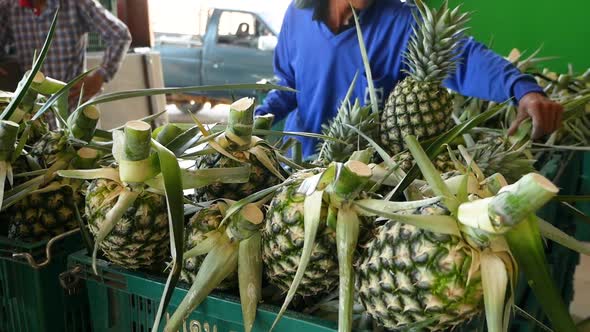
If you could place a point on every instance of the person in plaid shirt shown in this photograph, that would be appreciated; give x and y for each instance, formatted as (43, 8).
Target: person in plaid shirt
(25, 23)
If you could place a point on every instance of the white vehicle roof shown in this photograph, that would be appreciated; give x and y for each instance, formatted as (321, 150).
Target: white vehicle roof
(271, 11)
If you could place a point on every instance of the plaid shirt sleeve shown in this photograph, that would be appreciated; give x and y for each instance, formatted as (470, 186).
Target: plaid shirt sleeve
(5, 38)
(113, 32)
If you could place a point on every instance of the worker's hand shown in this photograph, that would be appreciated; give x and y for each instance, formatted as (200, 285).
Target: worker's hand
(92, 85)
(545, 113)
(3, 72)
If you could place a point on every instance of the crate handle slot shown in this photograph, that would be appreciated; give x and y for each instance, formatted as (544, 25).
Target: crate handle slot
(70, 279)
(29, 258)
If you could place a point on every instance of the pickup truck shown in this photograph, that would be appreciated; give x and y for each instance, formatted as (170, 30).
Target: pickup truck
(237, 46)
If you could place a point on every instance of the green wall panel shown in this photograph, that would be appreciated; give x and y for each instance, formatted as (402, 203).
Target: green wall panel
(561, 27)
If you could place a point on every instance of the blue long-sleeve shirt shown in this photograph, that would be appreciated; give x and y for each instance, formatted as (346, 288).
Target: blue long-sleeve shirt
(320, 65)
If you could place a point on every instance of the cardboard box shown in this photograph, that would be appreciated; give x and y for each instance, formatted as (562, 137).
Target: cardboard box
(141, 69)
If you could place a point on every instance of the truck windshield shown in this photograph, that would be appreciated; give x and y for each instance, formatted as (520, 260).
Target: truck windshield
(270, 11)
(165, 17)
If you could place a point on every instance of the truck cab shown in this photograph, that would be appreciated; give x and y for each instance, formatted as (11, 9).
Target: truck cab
(236, 47)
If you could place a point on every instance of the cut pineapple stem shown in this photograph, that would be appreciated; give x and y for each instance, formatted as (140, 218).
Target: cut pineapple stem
(240, 122)
(516, 202)
(84, 123)
(26, 106)
(512, 205)
(252, 214)
(264, 122)
(137, 141)
(495, 182)
(8, 137)
(46, 85)
(347, 233)
(87, 153)
(352, 177)
(245, 223)
(86, 158)
(168, 133)
(136, 164)
(363, 156)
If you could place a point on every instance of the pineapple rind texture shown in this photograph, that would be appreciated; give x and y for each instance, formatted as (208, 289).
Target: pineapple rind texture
(41, 216)
(204, 221)
(46, 149)
(260, 177)
(408, 276)
(282, 243)
(421, 109)
(141, 238)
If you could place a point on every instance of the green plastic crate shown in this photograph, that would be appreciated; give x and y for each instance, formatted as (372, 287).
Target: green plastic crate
(127, 301)
(33, 299)
(583, 231)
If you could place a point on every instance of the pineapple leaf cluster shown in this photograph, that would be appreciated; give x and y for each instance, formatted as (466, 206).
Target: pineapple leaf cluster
(355, 115)
(435, 41)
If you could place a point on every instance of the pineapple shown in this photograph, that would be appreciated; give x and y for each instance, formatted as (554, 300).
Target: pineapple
(245, 150)
(46, 213)
(419, 105)
(435, 266)
(46, 150)
(201, 223)
(51, 209)
(283, 237)
(282, 243)
(54, 145)
(260, 177)
(140, 239)
(283, 233)
(230, 248)
(129, 222)
(407, 276)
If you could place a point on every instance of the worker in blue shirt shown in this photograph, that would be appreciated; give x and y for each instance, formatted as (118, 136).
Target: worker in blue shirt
(318, 55)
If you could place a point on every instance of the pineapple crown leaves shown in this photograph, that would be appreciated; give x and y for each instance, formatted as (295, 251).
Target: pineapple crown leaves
(358, 116)
(502, 155)
(523, 240)
(238, 241)
(433, 48)
(342, 183)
